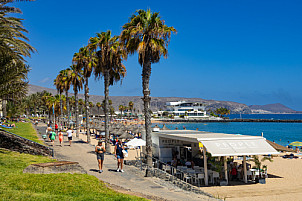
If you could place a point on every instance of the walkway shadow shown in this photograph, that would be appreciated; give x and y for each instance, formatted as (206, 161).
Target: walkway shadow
(112, 170)
(273, 176)
(79, 142)
(91, 152)
(94, 170)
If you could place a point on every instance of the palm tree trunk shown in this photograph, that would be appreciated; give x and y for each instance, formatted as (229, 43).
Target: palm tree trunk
(76, 111)
(67, 105)
(146, 77)
(61, 110)
(49, 116)
(4, 108)
(106, 93)
(87, 108)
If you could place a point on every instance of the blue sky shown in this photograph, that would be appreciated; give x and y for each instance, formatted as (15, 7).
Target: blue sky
(243, 51)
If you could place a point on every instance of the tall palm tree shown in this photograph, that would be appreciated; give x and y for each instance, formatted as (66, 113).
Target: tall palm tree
(66, 79)
(109, 65)
(59, 83)
(77, 82)
(147, 34)
(85, 60)
(13, 48)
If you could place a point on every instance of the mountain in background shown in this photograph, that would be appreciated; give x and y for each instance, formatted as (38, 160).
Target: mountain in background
(159, 103)
(271, 108)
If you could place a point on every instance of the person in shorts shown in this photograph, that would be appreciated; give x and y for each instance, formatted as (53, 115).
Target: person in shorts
(69, 135)
(119, 155)
(49, 132)
(56, 128)
(53, 137)
(60, 137)
(100, 150)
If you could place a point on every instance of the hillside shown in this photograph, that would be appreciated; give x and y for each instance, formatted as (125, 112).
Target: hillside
(271, 108)
(158, 103)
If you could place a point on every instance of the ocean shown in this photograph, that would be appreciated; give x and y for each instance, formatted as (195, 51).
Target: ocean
(281, 133)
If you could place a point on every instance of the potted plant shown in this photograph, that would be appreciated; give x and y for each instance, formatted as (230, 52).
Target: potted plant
(262, 170)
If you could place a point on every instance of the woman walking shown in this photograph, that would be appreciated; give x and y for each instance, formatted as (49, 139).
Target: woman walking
(119, 155)
(53, 137)
(100, 149)
(61, 137)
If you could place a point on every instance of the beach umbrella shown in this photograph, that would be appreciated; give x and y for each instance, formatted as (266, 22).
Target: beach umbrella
(125, 135)
(296, 144)
(136, 143)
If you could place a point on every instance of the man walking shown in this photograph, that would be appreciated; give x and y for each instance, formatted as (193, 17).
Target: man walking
(69, 135)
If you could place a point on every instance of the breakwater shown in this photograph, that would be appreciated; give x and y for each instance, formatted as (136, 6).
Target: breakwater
(229, 120)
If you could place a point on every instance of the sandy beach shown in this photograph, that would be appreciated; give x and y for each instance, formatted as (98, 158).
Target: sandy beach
(284, 183)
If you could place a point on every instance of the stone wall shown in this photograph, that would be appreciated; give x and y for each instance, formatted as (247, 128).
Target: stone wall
(55, 167)
(17, 143)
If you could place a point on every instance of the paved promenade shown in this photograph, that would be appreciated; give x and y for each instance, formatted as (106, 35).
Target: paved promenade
(132, 181)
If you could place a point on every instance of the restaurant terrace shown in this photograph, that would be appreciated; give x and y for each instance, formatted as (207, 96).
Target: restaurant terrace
(189, 144)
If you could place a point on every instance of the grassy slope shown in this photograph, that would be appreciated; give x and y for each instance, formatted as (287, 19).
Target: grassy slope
(15, 185)
(25, 130)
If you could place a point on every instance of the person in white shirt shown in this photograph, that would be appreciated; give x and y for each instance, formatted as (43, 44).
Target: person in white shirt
(69, 135)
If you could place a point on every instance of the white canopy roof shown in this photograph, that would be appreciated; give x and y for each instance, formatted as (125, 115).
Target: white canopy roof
(220, 144)
(235, 147)
(136, 142)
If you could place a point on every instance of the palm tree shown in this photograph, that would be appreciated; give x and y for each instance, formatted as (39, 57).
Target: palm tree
(46, 99)
(77, 82)
(121, 108)
(111, 111)
(222, 111)
(81, 105)
(50, 103)
(85, 60)
(59, 83)
(130, 106)
(66, 79)
(98, 105)
(13, 48)
(109, 65)
(12, 38)
(13, 79)
(72, 105)
(147, 34)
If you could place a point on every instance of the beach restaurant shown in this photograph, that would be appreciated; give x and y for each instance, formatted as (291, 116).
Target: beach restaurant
(188, 144)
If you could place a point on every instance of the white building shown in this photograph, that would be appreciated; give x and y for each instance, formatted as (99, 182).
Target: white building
(187, 110)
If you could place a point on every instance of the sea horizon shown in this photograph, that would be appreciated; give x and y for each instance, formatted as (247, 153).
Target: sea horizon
(281, 133)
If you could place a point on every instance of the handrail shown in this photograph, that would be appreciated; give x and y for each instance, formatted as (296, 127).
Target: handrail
(52, 151)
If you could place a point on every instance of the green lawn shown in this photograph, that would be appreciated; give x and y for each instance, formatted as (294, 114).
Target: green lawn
(25, 130)
(15, 185)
